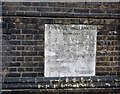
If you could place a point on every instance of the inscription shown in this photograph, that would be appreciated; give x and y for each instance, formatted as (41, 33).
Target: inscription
(70, 50)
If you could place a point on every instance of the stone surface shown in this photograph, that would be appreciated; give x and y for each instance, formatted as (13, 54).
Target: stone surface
(70, 50)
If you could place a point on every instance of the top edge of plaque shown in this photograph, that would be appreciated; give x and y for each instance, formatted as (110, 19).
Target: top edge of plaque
(76, 26)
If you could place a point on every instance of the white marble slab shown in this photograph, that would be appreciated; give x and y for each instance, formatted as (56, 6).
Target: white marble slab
(70, 50)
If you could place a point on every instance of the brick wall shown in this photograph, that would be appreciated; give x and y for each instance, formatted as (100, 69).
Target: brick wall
(23, 46)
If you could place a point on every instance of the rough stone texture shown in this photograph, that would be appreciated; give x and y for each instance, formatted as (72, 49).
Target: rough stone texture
(23, 46)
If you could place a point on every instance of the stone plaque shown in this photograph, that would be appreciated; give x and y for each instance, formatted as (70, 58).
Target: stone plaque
(70, 50)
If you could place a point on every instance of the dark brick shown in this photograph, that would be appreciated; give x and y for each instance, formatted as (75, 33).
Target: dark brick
(43, 4)
(112, 73)
(30, 48)
(118, 73)
(10, 13)
(118, 27)
(59, 14)
(35, 4)
(20, 13)
(110, 5)
(60, 4)
(9, 8)
(13, 48)
(26, 8)
(114, 63)
(38, 48)
(57, 9)
(26, 20)
(29, 31)
(6, 19)
(20, 47)
(34, 20)
(74, 4)
(6, 53)
(21, 69)
(15, 42)
(109, 69)
(113, 11)
(29, 64)
(13, 37)
(6, 37)
(100, 68)
(102, 63)
(5, 59)
(28, 42)
(19, 25)
(6, 32)
(12, 79)
(44, 9)
(27, 3)
(28, 58)
(30, 26)
(102, 73)
(28, 37)
(29, 53)
(32, 14)
(40, 29)
(41, 53)
(29, 75)
(21, 37)
(13, 75)
(11, 25)
(67, 10)
(81, 10)
(12, 69)
(4, 12)
(96, 11)
(12, 3)
(6, 48)
(15, 64)
(40, 64)
(38, 69)
(40, 43)
(15, 53)
(29, 69)
(118, 63)
(38, 58)
(20, 58)
(14, 58)
(39, 37)
(4, 26)
(40, 74)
